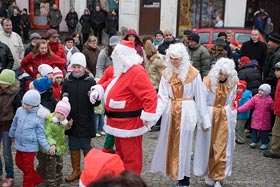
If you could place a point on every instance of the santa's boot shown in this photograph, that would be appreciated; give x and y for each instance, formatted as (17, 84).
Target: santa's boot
(75, 160)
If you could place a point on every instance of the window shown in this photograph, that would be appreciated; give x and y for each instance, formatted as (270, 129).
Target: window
(204, 37)
(242, 37)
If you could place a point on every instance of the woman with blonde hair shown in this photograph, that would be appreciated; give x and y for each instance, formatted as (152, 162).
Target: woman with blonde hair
(91, 52)
(41, 55)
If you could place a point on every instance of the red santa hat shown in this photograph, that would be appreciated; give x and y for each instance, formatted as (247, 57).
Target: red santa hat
(242, 84)
(98, 164)
(125, 47)
(63, 107)
(244, 60)
(57, 73)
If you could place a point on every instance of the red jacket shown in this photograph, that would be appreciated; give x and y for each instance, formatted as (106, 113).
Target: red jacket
(57, 49)
(132, 91)
(277, 99)
(30, 64)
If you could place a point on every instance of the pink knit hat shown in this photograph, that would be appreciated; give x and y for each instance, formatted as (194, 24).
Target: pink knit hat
(63, 107)
(57, 73)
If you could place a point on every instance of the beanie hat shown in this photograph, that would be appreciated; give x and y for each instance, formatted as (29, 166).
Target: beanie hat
(266, 88)
(57, 73)
(167, 31)
(277, 66)
(187, 32)
(63, 107)
(114, 40)
(275, 37)
(31, 97)
(98, 164)
(235, 44)
(194, 37)
(255, 63)
(244, 60)
(242, 84)
(35, 35)
(51, 32)
(8, 77)
(222, 34)
(159, 32)
(42, 84)
(45, 69)
(78, 58)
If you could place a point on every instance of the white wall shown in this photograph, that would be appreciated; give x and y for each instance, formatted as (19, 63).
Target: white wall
(131, 21)
(235, 11)
(168, 15)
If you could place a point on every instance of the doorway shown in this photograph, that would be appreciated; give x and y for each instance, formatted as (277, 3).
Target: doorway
(149, 17)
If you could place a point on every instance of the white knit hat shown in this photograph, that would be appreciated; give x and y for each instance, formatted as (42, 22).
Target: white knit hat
(63, 107)
(266, 88)
(45, 69)
(79, 59)
(32, 97)
(57, 73)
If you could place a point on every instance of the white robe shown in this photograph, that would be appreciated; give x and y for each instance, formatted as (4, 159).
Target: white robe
(192, 112)
(202, 145)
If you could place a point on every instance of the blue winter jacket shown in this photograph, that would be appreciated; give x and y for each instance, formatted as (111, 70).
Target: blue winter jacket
(246, 96)
(28, 130)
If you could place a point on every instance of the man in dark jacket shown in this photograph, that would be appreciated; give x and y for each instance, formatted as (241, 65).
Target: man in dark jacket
(6, 57)
(98, 23)
(168, 39)
(54, 17)
(71, 20)
(270, 61)
(254, 48)
(199, 55)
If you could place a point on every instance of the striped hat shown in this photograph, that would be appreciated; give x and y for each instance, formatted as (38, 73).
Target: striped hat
(63, 107)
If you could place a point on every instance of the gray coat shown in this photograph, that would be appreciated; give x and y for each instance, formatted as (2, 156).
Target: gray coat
(54, 17)
(103, 61)
(200, 58)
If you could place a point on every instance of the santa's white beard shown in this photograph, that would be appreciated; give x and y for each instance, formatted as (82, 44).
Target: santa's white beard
(118, 68)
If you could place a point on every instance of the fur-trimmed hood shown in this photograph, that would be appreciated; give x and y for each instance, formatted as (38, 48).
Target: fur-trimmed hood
(11, 90)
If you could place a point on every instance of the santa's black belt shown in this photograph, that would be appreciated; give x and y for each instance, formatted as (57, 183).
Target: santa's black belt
(130, 114)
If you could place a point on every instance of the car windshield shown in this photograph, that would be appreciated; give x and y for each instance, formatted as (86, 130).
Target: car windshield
(215, 36)
(242, 37)
(204, 37)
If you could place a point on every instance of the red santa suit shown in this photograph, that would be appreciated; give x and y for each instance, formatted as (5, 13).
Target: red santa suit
(130, 99)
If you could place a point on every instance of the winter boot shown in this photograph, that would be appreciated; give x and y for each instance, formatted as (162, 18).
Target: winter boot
(75, 160)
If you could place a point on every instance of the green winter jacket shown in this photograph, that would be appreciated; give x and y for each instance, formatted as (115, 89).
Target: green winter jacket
(55, 136)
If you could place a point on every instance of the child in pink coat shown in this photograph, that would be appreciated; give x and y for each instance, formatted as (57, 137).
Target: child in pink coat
(260, 124)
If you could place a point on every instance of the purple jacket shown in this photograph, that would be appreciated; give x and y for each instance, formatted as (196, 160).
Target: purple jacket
(261, 114)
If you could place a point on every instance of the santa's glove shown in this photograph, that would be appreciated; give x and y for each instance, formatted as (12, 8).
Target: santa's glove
(93, 96)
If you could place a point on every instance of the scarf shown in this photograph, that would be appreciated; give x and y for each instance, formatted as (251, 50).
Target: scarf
(68, 55)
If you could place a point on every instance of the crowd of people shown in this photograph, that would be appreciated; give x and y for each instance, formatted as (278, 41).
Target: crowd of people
(54, 88)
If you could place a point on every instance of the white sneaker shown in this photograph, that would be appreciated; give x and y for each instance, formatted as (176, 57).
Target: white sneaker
(209, 181)
(218, 184)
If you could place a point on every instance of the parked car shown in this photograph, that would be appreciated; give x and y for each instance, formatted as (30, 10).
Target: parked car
(209, 35)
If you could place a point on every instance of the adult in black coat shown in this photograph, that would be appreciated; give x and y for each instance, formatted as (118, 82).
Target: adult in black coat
(98, 23)
(270, 61)
(254, 48)
(6, 57)
(252, 76)
(112, 23)
(168, 39)
(71, 20)
(85, 21)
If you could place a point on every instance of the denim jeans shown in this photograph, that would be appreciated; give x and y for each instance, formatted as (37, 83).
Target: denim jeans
(257, 135)
(99, 122)
(7, 154)
(75, 143)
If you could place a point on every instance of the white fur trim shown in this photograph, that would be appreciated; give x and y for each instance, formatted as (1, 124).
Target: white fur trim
(54, 119)
(109, 87)
(81, 183)
(64, 122)
(100, 91)
(125, 133)
(147, 116)
(117, 104)
(43, 112)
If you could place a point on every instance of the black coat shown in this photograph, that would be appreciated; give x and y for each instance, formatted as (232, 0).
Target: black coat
(98, 20)
(252, 76)
(162, 47)
(29, 49)
(255, 51)
(269, 76)
(85, 21)
(25, 21)
(81, 107)
(48, 100)
(112, 22)
(6, 57)
(71, 19)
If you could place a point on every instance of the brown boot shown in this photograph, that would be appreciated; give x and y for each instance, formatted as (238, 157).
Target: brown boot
(75, 160)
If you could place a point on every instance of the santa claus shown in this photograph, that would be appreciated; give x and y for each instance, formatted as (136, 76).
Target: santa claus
(130, 104)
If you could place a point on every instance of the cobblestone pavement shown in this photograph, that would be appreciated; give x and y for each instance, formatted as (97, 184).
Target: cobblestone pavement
(250, 168)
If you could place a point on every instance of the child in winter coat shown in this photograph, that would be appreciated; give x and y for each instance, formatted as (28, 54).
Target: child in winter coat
(242, 96)
(260, 124)
(57, 83)
(55, 126)
(9, 101)
(28, 132)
